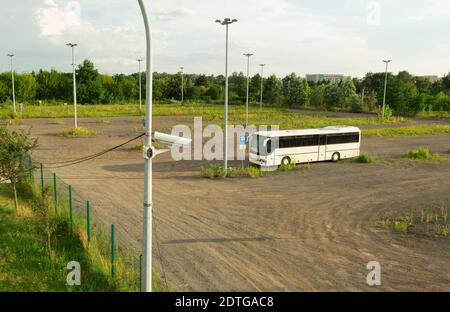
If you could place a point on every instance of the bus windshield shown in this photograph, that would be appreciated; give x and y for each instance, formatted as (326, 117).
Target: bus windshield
(258, 147)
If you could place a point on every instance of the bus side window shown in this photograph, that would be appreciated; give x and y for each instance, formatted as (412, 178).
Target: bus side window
(322, 140)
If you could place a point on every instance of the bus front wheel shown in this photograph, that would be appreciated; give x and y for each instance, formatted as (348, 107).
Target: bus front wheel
(336, 157)
(286, 161)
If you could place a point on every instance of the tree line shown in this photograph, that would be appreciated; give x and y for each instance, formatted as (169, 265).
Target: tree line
(406, 94)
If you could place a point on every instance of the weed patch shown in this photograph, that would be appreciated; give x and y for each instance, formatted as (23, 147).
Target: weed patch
(433, 223)
(423, 154)
(364, 159)
(78, 133)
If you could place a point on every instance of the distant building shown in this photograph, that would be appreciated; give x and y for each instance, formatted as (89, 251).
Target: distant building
(324, 77)
(430, 78)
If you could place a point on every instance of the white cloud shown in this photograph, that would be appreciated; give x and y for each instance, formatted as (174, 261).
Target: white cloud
(54, 20)
(437, 8)
(173, 14)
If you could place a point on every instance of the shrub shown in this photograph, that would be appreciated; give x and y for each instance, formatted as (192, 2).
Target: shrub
(420, 154)
(288, 167)
(77, 133)
(254, 172)
(364, 159)
(217, 171)
(388, 112)
(213, 171)
(401, 227)
(47, 225)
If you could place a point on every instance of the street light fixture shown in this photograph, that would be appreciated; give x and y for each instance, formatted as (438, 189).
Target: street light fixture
(385, 87)
(262, 84)
(140, 84)
(248, 55)
(12, 80)
(73, 45)
(182, 85)
(226, 22)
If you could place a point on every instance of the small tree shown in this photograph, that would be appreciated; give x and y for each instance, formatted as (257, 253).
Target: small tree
(15, 148)
(47, 224)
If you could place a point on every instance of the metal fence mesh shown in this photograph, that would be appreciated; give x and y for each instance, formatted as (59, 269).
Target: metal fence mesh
(71, 204)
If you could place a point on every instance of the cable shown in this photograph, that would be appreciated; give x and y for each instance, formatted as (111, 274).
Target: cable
(72, 162)
(96, 154)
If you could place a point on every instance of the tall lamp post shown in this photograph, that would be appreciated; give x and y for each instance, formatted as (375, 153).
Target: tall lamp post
(248, 55)
(262, 84)
(12, 80)
(140, 84)
(148, 201)
(385, 88)
(73, 45)
(182, 85)
(226, 22)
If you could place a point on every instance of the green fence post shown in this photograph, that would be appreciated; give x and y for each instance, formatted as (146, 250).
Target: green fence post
(140, 272)
(42, 178)
(88, 221)
(30, 166)
(70, 208)
(113, 256)
(55, 193)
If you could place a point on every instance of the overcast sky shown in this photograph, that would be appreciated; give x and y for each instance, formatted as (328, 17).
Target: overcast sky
(322, 36)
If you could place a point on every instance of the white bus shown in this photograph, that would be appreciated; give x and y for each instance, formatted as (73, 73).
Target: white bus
(274, 148)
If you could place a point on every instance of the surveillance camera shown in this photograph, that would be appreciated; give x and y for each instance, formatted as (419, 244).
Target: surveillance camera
(171, 140)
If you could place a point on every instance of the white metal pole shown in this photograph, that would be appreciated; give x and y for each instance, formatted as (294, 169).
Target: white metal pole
(148, 202)
(385, 88)
(225, 164)
(140, 85)
(248, 88)
(74, 89)
(262, 85)
(226, 22)
(73, 45)
(182, 85)
(13, 87)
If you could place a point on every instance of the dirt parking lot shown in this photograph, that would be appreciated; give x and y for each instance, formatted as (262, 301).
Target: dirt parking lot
(311, 230)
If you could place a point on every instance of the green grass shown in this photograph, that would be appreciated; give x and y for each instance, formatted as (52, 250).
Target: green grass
(364, 159)
(57, 122)
(25, 264)
(78, 133)
(24, 261)
(62, 111)
(441, 115)
(408, 131)
(423, 154)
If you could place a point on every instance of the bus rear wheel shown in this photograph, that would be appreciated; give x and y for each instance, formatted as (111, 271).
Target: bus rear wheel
(336, 157)
(286, 161)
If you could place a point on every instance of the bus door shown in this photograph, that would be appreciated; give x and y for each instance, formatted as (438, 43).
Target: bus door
(322, 147)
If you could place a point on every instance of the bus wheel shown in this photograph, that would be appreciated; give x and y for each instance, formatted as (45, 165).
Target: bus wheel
(336, 157)
(286, 161)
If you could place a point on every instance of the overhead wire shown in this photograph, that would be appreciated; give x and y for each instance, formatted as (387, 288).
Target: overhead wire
(67, 163)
